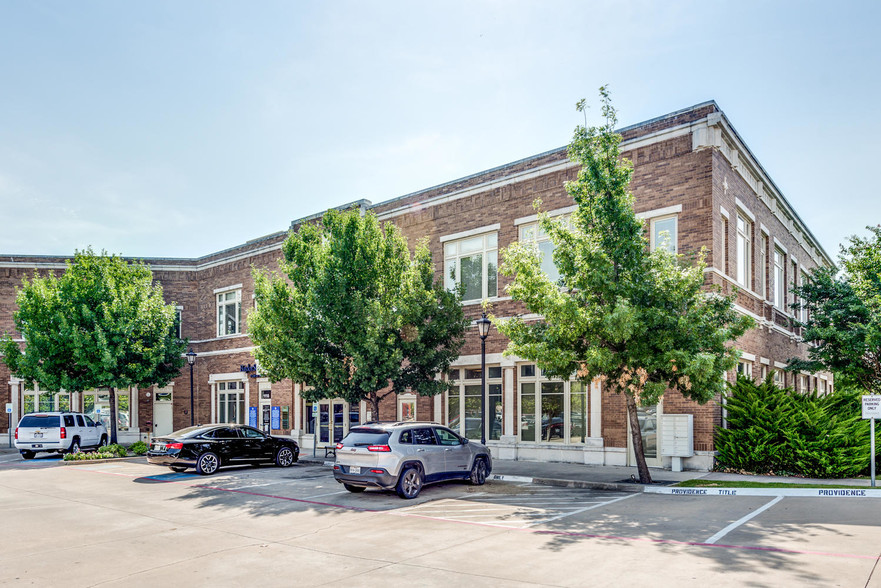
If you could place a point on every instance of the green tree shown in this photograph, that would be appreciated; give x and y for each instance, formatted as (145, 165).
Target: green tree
(357, 317)
(844, 315)
(102, 324)
(638, 320)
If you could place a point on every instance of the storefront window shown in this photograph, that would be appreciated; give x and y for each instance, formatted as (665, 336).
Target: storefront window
(37, 401)
(463, 402)
(231, 402)
(552, 411)
(28, 404)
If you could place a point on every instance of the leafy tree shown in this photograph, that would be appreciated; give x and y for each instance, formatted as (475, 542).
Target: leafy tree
(637, 319)
(102, 323)
(844, 315)
(358, 317)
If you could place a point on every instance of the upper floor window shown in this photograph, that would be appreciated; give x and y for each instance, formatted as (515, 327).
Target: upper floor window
(533, 232)
(176, 328)
(779, 279)
(229, 312)
(744, 252)
(473, 262)
(762, 274)
(664, 233)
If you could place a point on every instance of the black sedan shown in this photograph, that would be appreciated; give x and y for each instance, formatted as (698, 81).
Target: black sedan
(209, 447)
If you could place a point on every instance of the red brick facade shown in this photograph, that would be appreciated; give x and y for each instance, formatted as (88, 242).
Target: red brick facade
(690, 165)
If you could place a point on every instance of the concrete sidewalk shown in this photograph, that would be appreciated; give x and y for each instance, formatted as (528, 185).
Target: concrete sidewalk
(587, 476)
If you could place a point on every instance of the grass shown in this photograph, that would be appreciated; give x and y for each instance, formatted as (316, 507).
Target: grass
(741, 484)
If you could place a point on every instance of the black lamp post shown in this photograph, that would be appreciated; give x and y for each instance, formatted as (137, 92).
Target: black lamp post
(191, 359)
(483, 324)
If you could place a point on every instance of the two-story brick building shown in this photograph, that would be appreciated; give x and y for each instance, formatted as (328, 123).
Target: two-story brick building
(696, 185)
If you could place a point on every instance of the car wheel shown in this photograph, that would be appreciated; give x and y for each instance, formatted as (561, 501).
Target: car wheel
(410, 483)
(478, 472)
(354, 489)
(74, 446)
(178, 469)
(285, 457)
(103, 441)
(207, 464)
(28, 454)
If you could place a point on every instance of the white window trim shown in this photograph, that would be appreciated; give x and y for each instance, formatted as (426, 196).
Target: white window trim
(538, 379)
(217, 305)
(724, 212)
(523, 220)
(743, 208)
(748, 259)
(408, 399)
(484, 251)
(228, 288)
(666, 211)
(471, 233)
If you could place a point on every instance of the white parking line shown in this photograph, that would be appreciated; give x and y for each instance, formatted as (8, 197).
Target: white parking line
(742, 520)
(580, 510)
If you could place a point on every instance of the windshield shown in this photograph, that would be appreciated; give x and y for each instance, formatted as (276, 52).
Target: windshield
(189, 432)
(362, 437)
(39, 420)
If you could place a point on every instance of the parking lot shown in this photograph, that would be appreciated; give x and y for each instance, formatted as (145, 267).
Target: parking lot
(127, 522)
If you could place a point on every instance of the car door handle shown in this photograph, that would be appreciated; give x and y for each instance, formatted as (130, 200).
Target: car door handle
(420, 450)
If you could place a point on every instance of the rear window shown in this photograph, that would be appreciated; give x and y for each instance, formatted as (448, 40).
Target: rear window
(37, 420)
(364, 437)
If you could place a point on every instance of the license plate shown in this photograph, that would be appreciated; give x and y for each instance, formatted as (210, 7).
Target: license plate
(36, 445)
(38, 435)
(158, 447)
(354, 469)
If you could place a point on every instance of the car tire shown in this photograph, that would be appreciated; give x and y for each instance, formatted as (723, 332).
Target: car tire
(410, 483)
(28, 454)
(478, 472)
(74, 445)
(207, 464)
(177, 469)
(355, 489)
(103, 441)
(284, 457)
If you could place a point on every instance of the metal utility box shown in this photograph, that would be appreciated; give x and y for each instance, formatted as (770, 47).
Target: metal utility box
(677, 438)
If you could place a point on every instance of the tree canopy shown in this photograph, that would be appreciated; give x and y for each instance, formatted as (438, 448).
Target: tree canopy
(353, 315)
(637, 319)
(102, 324)
(844, 315)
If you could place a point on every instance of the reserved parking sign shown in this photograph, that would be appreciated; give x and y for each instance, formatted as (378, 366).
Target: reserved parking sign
(872, 406)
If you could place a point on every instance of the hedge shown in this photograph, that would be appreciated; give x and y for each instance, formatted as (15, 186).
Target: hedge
(780, 431)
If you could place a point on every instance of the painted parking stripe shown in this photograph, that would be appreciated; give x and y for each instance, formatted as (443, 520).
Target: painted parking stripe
(743, 520)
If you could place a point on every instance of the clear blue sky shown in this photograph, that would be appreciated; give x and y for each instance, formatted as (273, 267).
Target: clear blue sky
(183, 128)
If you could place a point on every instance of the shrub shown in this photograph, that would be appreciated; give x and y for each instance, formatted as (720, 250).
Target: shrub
(115, 450)
(138, 448)
(776, 430)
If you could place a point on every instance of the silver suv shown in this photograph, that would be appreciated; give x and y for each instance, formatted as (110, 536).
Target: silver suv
(58, 432)
(406, 456)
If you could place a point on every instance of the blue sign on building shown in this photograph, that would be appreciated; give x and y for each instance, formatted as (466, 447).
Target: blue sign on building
(276, 418)
(252, 416)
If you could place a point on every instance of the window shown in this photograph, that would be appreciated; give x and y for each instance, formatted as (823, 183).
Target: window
(231, 402)
(229, 312)
(793, 276)
(447, 438)
(779, 279)
(474, 263)
(407, 408)
(803, 313)
(744, 252)
(37, 400)
(552, 411)
(763, 268)
(250, 433)
(534, 233)
(176, 328)
(97, 405)
(463, 403)
(664, 233)
(424, 437)
(778, 379)
(745, 369)
(725, 241)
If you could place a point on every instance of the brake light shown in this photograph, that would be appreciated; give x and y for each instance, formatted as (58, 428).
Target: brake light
(377, 471)
(378, 448)
(16, 433)
(339, 445)
(63, 433)
(174, 446)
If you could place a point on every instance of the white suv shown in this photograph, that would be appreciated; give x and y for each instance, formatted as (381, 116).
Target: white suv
(58, 432)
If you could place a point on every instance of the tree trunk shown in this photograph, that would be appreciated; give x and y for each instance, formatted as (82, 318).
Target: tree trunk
(112, 414)
(373, 399)
(636, 435)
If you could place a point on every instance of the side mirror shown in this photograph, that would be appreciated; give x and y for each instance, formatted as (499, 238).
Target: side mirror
(464, 441)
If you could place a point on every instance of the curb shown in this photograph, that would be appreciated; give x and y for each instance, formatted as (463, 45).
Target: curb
(790, 492)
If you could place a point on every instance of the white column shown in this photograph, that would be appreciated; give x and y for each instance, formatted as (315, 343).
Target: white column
(15, 390)
(438, 408)
(509, 402)
(213, 402)
(298, 423)
(596, 409)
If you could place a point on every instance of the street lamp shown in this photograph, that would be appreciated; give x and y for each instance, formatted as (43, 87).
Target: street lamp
(191, 359)
(483, 324)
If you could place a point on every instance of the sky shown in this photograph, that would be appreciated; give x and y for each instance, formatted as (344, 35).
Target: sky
(178, 129)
